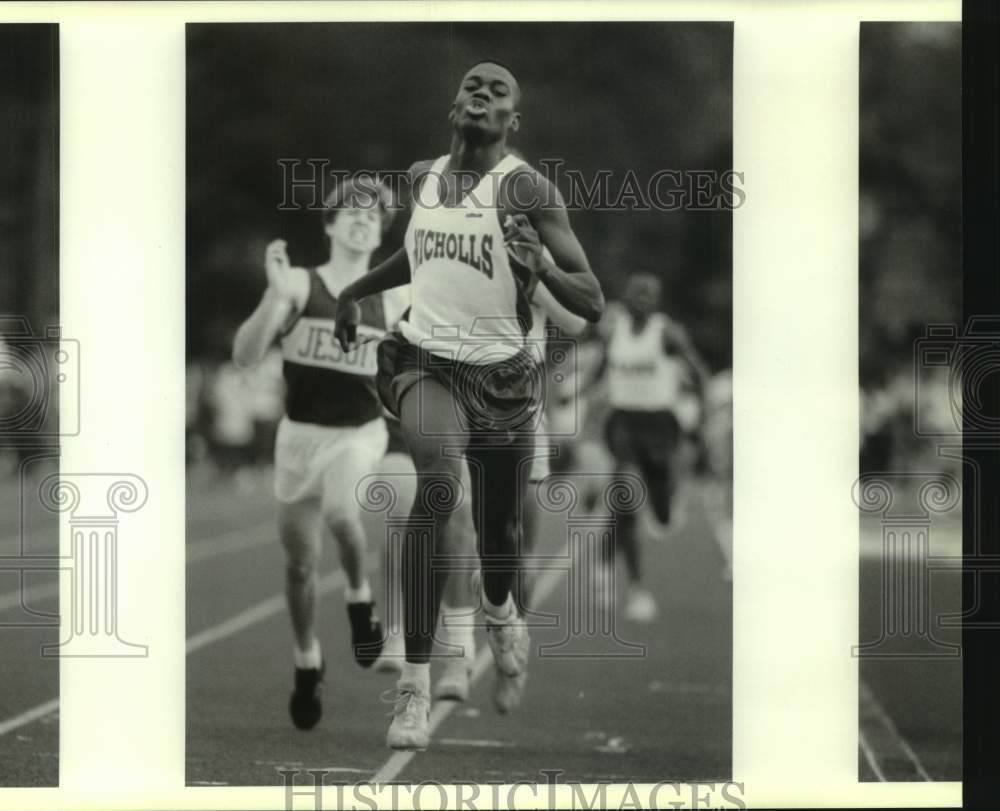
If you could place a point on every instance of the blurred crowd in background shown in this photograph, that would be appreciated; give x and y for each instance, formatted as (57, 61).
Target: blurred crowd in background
(312, 102)
(618, 98)
(910, 240)
(232, 416)
(29, 271)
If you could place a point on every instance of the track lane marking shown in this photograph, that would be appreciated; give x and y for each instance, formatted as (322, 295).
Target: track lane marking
(237, 540)
(25, 718)
(879, 713)
(869, 754)
(258, 613)
(442, 709)
(479, 744)
(238, 622)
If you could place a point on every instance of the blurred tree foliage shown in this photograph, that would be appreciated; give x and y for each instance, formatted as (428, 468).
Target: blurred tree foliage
(618, 97)
(29, 186)
(911, 189)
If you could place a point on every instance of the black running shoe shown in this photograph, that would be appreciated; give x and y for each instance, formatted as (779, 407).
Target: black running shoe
(306, 705)
(367, 636)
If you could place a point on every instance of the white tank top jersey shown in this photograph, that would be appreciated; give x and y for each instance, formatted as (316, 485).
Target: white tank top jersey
(539, 318)
(395, 302)
(464, 296)
(641, 375)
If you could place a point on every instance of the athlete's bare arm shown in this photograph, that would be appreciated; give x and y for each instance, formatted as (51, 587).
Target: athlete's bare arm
(602, 332)
(570, 323)
(287, 290)
(676, 339)
(393, 272)
(537, 216)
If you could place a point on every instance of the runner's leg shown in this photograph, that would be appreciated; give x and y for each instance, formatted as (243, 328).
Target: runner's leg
(430, 424)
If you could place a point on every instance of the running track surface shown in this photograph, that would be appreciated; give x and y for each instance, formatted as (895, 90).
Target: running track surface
(910, 710)
(29, 720)
(665, 715)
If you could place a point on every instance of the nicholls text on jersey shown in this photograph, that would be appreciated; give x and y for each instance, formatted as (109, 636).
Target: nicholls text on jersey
(474, 250)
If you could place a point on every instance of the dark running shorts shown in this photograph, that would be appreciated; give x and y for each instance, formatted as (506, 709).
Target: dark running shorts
(499, 399)
(648, 440)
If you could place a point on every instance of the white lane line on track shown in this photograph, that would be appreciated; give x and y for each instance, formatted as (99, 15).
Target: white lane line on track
(25, 718)
(237, 540)
(879, 713)
(479, 744)
(256, 613)
(442, 709)
(866, 750)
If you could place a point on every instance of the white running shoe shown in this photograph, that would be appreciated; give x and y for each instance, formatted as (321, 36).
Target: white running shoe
(453, 683)
(641, 606)
(411, 718)
(508, 691)
(509, 643)
(393, 653)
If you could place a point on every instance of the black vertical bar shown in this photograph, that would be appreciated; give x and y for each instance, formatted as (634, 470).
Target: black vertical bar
(981, 268)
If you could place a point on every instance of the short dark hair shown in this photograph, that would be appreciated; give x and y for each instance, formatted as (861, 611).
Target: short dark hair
(362, 190)
(497, 62)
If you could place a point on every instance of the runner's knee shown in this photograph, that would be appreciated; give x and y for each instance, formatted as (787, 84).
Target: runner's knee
(439, 492)
(339, 511)
(301, 546)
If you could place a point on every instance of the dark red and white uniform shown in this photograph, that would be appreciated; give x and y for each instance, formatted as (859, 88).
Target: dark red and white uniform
(333, 433)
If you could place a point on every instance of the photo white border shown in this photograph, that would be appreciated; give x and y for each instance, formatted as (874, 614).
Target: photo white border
(122, 256)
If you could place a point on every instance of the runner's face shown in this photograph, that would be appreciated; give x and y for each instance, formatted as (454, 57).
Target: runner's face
(357, 228)
(486, 103)
(642, 294)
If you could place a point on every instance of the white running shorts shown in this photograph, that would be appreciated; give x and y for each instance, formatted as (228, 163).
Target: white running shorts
(324, 462)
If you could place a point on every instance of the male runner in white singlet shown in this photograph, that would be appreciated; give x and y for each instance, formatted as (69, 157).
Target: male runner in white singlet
(649, 360)
(332, 434)
(461, 375)
(456, 625)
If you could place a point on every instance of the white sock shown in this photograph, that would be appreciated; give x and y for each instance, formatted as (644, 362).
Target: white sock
(457, 627)
(418, 675)
(310, 658)
(499, 613)
(362, 594)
